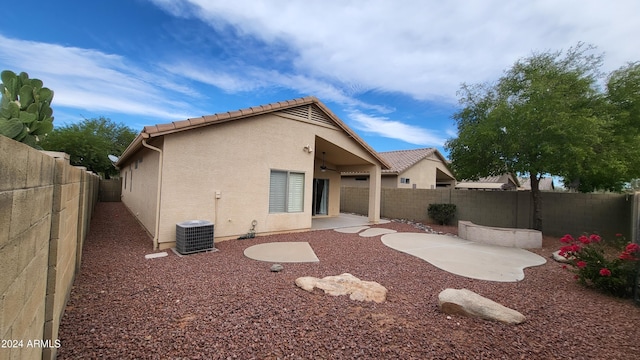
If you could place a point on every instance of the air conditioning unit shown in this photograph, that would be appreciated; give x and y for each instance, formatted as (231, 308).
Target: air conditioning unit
(194, 236)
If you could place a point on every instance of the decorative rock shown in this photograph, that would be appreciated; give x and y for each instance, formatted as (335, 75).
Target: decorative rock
(345, 284)
(467, 303)
(426, 228)
(559, 258)
(277, 268)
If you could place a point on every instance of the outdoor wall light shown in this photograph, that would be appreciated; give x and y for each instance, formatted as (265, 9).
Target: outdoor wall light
(308, 149)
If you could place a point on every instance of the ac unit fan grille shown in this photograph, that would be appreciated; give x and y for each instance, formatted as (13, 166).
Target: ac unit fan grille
(194, 236)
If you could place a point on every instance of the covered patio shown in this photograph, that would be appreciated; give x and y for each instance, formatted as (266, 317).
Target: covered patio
(342, 221)
(330, 161)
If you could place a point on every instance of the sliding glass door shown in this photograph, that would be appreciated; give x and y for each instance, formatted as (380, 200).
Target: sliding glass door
(320, 196)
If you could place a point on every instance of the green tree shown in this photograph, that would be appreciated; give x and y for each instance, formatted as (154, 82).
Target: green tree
(623, 97)
(540, 118)
(618, 160)
(25, 108)
(89, 143)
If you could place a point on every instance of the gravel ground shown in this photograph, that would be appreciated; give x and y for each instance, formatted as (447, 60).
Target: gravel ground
(223, 305)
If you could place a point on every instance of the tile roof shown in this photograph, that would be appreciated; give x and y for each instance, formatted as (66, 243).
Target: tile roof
(491, 179)
(193, 123)
(481, 185)
(401, 160)
(164, 129)
(504, 181)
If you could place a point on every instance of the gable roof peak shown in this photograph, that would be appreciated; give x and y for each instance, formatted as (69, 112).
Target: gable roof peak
(192, 123)
(168, 128)
(401, 160)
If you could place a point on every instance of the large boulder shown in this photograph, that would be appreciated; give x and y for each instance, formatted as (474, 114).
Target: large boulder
(345, 284)
(467, 303)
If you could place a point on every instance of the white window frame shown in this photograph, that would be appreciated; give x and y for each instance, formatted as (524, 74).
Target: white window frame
(286, 191)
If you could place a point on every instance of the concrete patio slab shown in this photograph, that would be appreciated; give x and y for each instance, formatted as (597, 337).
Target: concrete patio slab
(342, 221)
(351, 230)
(420, 240)
(282, 252)
(458, 256)
(156, 255)
(466, 258)
(376, 231)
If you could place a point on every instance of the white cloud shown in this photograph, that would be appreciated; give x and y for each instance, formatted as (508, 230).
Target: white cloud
(451, 132)
(340, 51)
(236, 79)
(94, 81)
(231, 80)
(385, 127)
(422, 48)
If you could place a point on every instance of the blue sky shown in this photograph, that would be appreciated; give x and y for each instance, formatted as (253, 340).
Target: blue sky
(389, 69)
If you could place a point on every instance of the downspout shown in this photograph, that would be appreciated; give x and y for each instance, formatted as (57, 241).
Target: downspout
(157, 232)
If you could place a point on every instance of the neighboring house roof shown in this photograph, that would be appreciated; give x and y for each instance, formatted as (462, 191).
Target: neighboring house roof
(194, 123)
(481, 185)
(504, 182)
(401, 160)
(504, 178)
(545, 184)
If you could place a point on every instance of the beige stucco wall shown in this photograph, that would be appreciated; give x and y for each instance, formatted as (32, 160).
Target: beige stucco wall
(389, 181)
(350, 181)
(140, 186)
(234, 160)
(422, 174)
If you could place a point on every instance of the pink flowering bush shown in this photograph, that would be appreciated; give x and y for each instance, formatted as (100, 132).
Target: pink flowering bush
(608, 266)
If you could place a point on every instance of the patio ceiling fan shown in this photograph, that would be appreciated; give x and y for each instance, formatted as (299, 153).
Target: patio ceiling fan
(324, 167)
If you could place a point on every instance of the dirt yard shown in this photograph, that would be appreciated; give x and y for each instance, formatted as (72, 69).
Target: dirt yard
(222, 305)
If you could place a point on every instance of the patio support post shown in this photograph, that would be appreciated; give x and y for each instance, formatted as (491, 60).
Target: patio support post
(374, 194)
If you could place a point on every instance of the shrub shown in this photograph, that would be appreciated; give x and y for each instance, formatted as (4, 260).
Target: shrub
(442, 213)
(608, 266)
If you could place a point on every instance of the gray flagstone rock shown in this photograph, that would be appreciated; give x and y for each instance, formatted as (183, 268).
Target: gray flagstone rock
(277, 268)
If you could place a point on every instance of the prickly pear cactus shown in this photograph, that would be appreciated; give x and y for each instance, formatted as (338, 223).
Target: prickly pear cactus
(25, 108)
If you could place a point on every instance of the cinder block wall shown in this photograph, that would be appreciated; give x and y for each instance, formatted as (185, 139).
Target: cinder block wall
(44, 209)
(562, 213)
(355, 200)
(110, 190)
(607, 214)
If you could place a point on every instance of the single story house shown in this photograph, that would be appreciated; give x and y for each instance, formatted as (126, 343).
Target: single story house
(276, 166)
(505, 181)
(409, 169)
